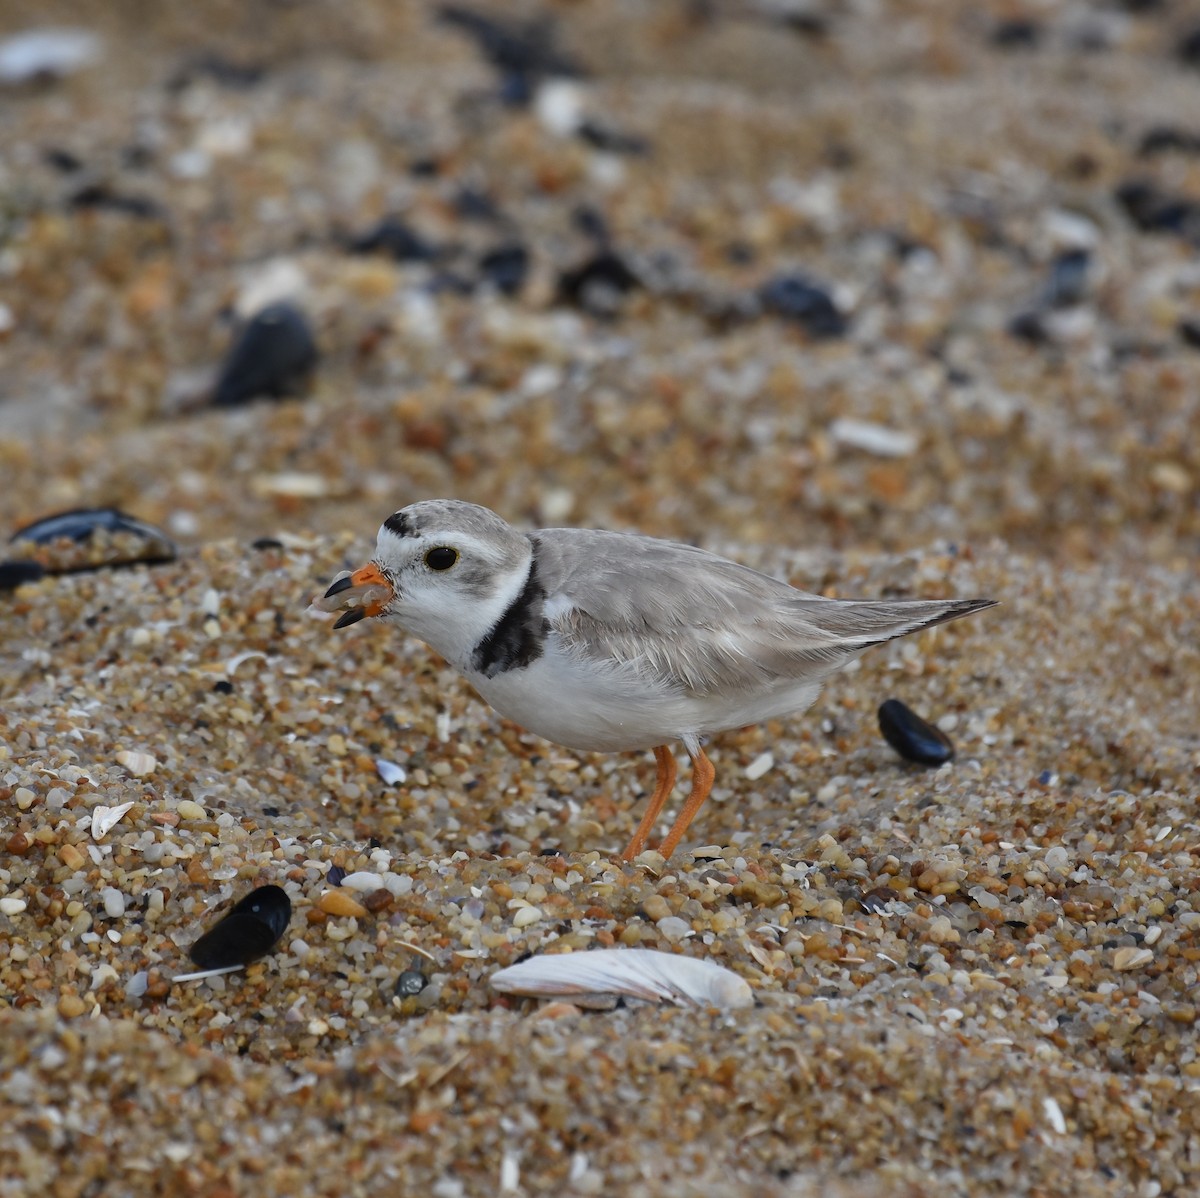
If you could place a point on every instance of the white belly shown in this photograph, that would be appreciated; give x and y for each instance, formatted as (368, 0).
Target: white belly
(617, 709)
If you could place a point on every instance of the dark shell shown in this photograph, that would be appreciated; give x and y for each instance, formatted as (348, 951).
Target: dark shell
(599, 284)
(506, 267)
(410, 982)
(912, 737)
(797, 298)
(91, 538)
(1068, 282)
(249, 931)
(15, 573)
(522, 51)
(395, 239)
(273, 356)
(1155, 211)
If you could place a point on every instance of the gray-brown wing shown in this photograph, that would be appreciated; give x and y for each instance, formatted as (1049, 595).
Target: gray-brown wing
(699, 623)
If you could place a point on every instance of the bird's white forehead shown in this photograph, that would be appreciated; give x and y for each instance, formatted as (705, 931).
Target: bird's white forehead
(447, 517)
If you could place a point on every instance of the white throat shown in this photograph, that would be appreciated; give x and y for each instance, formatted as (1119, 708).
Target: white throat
(458, 620)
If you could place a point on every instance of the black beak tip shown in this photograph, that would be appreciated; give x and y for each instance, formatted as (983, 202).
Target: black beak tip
(351, 617)
(338, 587)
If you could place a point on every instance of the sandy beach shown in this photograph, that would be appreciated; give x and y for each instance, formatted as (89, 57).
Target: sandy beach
(888, 300)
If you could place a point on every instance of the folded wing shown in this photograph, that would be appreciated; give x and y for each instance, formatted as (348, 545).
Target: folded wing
(695, 623)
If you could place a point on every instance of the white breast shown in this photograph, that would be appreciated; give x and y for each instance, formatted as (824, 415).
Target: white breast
(603, 708)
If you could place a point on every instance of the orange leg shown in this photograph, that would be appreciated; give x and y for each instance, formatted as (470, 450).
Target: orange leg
(662, 790)
(702, 783)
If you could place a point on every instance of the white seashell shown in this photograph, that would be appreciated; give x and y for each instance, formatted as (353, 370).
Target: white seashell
(104, 819)
(635, 972)
(138, 764)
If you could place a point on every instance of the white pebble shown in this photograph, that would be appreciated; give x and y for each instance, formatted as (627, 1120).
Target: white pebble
(188, 809)
(1054, 1116)
(12, 906)
(759, 766)
(46, 53)
(525, 916)
(362, 880)
(674, 928)
(114, 902)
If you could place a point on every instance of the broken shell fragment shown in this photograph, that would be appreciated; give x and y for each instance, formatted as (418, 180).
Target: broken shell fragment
(104, 819)
(630, 972)
(249, 931)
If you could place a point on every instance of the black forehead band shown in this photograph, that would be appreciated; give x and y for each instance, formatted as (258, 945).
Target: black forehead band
(399, 524)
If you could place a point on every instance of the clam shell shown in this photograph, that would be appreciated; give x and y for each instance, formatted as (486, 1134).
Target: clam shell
(633, 972)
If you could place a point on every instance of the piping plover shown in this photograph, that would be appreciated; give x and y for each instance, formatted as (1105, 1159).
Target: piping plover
(608, 641)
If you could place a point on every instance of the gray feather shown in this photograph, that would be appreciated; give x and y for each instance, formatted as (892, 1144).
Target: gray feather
(721, 628)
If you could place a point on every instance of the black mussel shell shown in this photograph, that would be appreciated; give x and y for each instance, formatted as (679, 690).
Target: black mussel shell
(391, 236)
(18, 572)
(505, 267)
(274, 356)
(81, 524)
(249, 931)
(912, 737)
(800, 299)
(599, 284)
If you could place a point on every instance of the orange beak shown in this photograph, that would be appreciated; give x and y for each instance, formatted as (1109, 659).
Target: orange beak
(367, 589)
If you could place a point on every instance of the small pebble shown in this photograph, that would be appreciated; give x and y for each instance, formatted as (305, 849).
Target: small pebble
(11, 906)
(71, 857)
(410, 982)
(674, 928)
(189, 810)
(339, 902)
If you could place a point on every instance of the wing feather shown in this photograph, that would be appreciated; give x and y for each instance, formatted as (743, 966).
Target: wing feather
(695, 623)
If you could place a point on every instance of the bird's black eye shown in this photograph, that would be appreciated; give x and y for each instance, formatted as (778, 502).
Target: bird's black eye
(441, 558)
